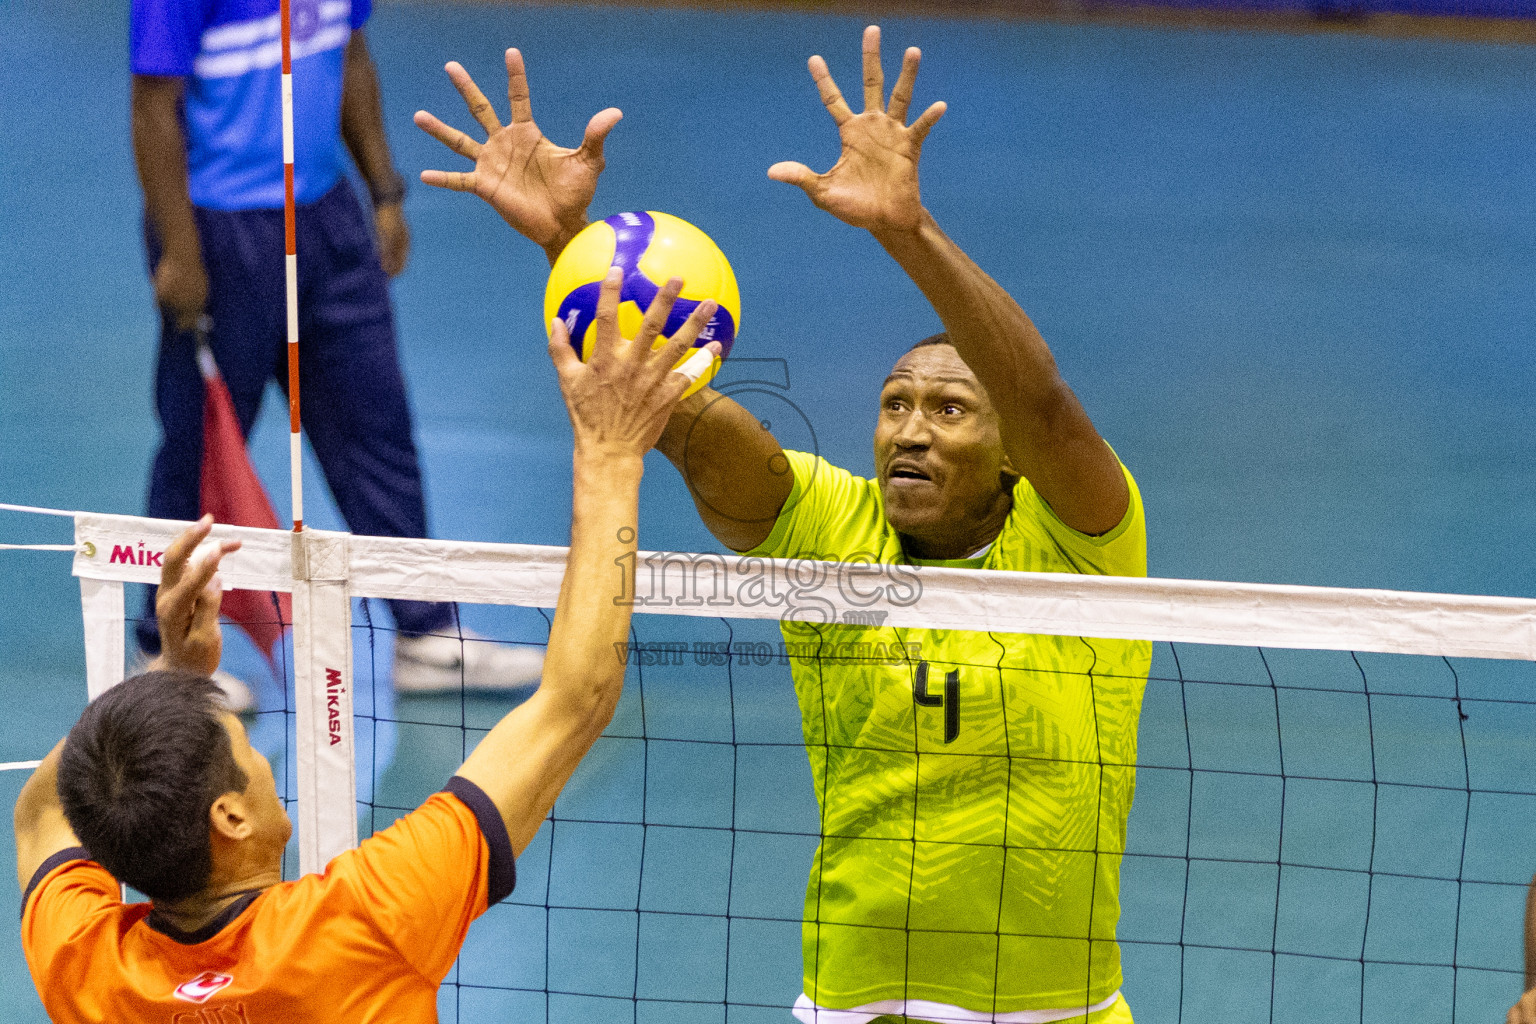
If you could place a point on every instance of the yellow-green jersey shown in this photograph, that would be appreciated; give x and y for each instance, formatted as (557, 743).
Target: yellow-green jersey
(974, 787)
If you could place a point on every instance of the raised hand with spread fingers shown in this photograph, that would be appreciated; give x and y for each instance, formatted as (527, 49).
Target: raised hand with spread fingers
(539, 188)
(873, 185)
(1046, 436)
(620, 399)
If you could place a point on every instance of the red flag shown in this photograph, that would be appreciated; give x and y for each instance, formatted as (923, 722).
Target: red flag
(232, 491)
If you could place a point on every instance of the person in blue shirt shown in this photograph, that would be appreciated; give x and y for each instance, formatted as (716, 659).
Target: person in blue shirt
(207, 138)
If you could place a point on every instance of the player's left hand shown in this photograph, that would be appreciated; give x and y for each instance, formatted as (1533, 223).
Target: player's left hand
(394, 237)
(541, 189)
(873, 185)
(187, 604)
(1523, 1012)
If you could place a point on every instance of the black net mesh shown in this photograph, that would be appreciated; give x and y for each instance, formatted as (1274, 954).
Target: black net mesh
(1316, 835)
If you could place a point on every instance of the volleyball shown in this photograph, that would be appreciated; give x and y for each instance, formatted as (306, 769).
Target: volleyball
(650, 248)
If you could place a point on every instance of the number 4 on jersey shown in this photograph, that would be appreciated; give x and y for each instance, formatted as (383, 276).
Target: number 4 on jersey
(950, 701)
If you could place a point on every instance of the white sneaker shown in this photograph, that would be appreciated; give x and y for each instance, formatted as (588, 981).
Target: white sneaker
(433, 663)
(237, 695)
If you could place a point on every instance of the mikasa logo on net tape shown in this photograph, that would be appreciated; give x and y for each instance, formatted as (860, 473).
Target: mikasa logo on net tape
(127, 554)
(333, 691)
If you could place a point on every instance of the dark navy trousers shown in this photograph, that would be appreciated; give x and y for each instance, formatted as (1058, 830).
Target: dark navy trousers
(355, 411)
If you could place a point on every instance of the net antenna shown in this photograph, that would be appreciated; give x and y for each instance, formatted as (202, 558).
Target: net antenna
(291, 273)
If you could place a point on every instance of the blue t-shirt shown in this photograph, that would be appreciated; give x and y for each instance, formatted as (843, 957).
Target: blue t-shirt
(230, 53)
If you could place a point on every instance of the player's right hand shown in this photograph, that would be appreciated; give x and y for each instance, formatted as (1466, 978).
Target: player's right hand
(187, 604)
(539, 188)
(1523, 1012)
(621, 398)
(874, 183)
(181, 287)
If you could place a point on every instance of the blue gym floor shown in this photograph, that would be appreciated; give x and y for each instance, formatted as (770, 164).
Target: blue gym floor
(1291, 278)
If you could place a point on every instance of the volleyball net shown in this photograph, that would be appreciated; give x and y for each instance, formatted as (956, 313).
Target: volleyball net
(1334, 787)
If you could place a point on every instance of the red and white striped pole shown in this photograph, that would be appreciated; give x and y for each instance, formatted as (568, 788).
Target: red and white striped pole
(295, 471)
(325, 762)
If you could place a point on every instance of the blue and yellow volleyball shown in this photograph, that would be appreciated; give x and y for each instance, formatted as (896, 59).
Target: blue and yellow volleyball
(650, 248)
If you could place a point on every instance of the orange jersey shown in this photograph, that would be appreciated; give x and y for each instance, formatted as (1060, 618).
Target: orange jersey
(369, 940)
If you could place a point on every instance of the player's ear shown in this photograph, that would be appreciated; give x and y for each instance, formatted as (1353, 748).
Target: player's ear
(1007, 475)
(230, 818)
(1007, 479)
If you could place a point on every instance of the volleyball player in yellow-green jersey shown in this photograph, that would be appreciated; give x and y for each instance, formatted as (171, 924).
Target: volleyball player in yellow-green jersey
(974, 787)
(974, 792)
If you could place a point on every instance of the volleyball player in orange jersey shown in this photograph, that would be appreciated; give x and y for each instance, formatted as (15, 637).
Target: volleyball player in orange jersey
(157, 786)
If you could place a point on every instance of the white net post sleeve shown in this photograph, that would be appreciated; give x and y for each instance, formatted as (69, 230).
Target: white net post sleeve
(322, 681)
(101, 605)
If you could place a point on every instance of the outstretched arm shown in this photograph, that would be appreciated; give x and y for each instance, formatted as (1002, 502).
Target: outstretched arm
(187, 606)
(1530, 942)
(1524, 1010)
(619, 402)
(541, 189)
(41, 829)
(734, 468)
(1046, 434)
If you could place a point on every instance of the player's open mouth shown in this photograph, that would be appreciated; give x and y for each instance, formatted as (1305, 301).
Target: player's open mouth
(906, 471)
